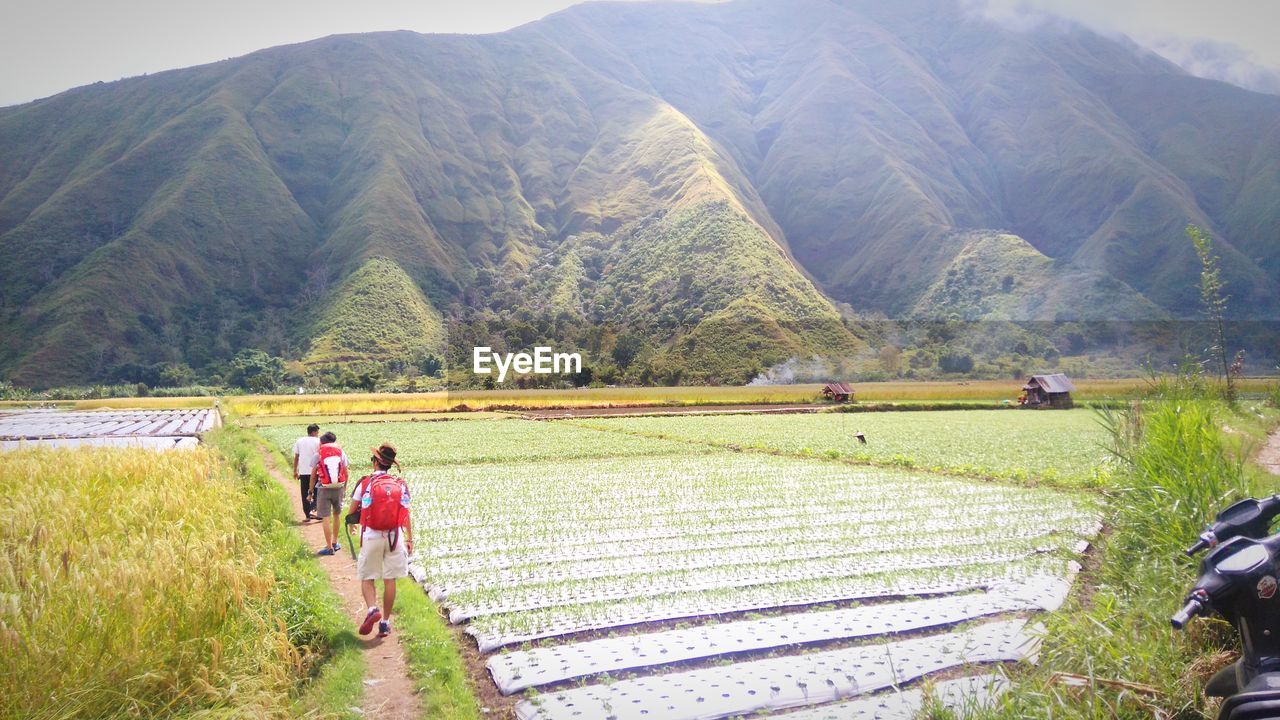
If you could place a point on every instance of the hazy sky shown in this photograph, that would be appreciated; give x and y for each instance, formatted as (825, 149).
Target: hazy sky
(47, 46)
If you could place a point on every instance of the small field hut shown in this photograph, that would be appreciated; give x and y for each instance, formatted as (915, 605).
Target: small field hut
(838, 392)
(1047, 391)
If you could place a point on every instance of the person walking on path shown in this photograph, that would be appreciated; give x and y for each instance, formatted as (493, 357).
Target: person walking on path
(331, 488)
(386, 537)
(306, 455)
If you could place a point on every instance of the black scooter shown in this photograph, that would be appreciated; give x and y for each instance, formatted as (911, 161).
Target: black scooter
(1238, 580)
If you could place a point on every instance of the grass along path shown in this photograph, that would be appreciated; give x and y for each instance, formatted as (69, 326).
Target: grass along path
(388, 691)
(415, 673)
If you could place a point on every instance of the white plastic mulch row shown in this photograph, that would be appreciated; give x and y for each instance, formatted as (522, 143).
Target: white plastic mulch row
(46, 424)
(689, 521)
(867, 525)
(493, 632)
(784, 682)
(1078, 524)
(518, 508)
(574, 521)
(445, 584)
(143, 442)
(961, 696)
(462, 608)
(523, 669)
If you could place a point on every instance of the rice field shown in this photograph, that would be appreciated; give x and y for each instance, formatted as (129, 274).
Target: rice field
(613, 573)
(906, 392)
(1066, 447)
(352, 404)
(127, 593)
(122, 403)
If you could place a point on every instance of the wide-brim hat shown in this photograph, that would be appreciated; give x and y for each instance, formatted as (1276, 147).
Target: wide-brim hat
(386, 452)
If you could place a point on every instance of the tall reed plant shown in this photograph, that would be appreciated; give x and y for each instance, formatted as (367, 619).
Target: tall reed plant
(1177, 468)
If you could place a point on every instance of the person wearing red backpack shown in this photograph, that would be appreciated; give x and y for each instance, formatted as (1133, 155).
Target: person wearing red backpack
(330, 479)
(386, 537)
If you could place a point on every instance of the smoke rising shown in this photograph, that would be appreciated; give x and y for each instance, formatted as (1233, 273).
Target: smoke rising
(798, 370)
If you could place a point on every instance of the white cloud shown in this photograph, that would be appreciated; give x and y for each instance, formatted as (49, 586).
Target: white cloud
(1231, 40)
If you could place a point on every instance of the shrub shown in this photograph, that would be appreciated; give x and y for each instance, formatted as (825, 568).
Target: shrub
(955, 362)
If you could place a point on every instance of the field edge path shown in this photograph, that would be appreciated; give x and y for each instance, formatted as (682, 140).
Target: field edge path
(389, 692)
(1269, 457)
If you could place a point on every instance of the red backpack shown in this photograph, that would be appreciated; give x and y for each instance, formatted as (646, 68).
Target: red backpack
(331, 450)
(385, 509)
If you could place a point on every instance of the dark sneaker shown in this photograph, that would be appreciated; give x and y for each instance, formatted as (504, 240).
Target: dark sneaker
(337, 547)
(384, 629)
(326, 551)
(374, 616)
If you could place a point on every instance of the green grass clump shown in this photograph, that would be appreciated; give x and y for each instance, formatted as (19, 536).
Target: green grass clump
(303, 601)
(434, 662)
(1183, 459)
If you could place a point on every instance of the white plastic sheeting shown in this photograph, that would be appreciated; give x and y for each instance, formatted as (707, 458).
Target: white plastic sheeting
(147, 443)
(497, 631)
(785, 682)
(48, 424)
(521, 599)
(853, 535)
(586, 569)
(515, 541)
(522, 669)
(959, 695)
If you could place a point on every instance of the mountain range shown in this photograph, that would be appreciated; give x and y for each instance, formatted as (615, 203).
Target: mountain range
(703, 190)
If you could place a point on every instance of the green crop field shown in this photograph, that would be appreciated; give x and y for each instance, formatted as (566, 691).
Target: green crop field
(428, 444)
(529, 533)
(1061, 446)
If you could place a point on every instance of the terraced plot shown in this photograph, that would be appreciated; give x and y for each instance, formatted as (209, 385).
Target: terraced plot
(1066, 446)
(643, 577)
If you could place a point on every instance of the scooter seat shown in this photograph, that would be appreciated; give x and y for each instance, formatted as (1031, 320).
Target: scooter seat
(1266, 682)
(1264, 705)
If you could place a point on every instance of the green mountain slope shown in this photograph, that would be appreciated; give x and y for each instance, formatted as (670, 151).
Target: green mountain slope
(706, 275)
(874, 130)
(1002, 278)
(710, 181)
(377, 314)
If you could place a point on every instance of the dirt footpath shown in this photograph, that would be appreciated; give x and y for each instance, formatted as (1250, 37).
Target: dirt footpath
(389, 694)
(1269, 458)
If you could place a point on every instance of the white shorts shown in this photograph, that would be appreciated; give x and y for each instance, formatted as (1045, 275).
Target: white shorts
(377, 561)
